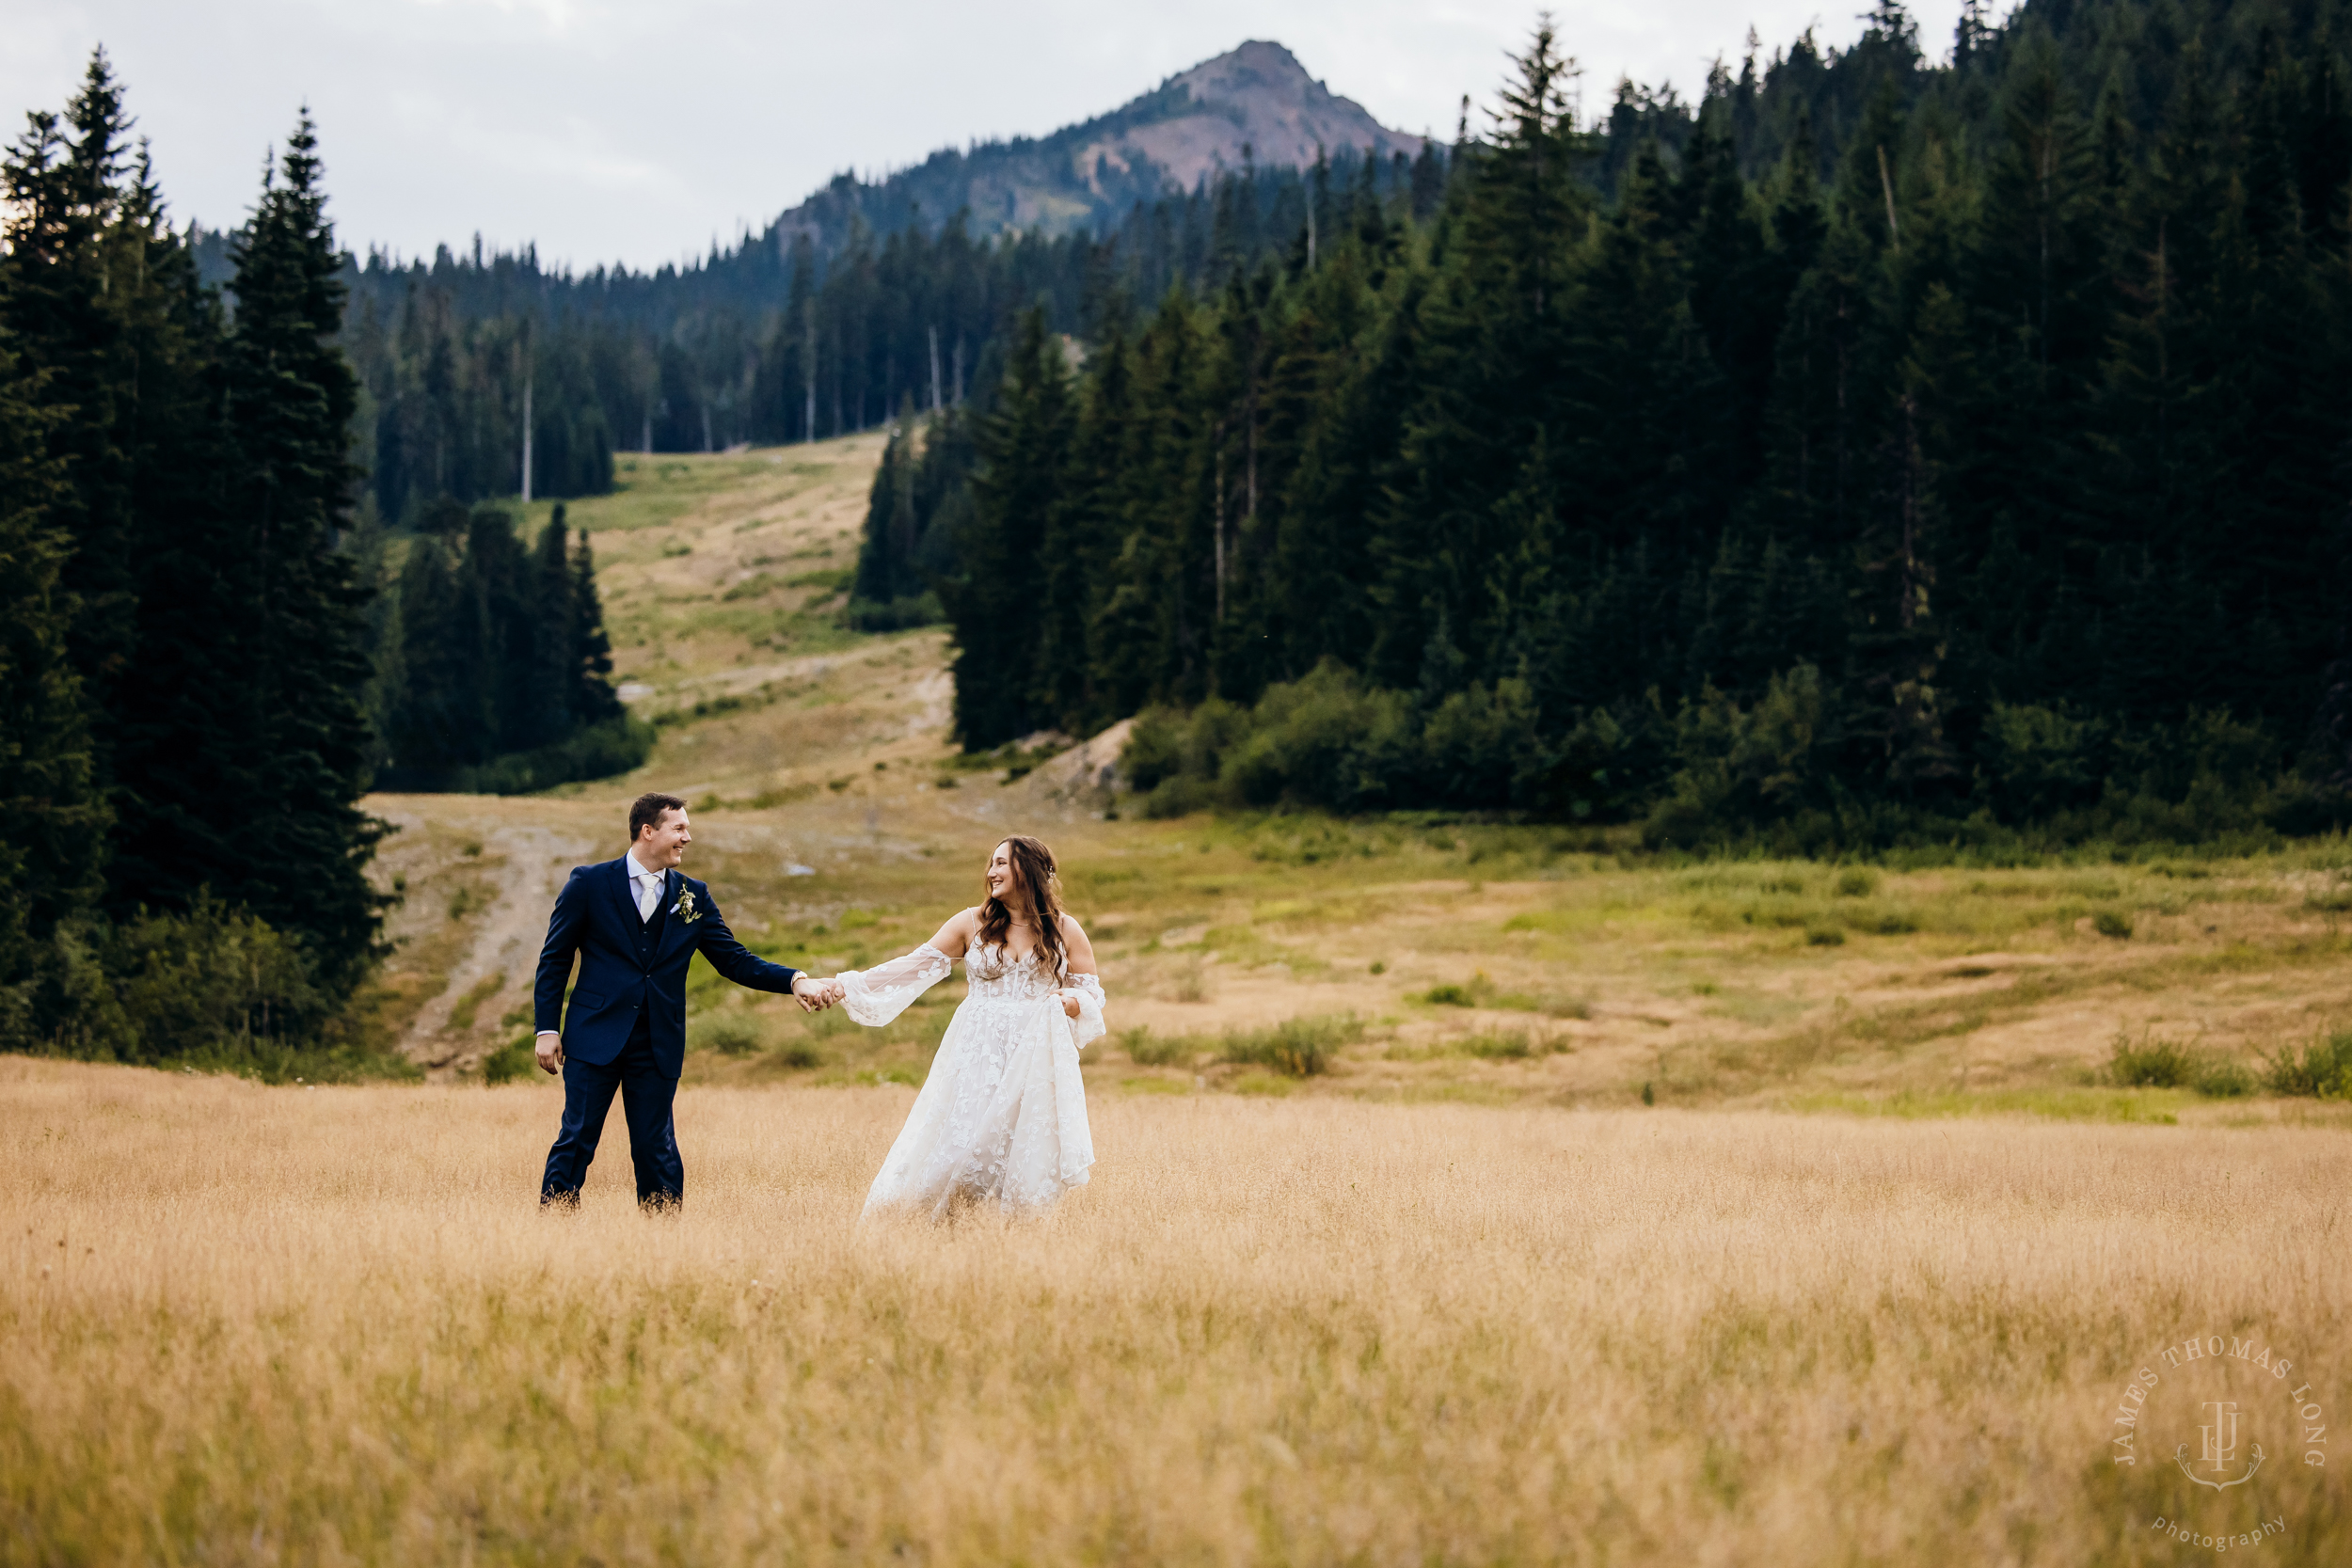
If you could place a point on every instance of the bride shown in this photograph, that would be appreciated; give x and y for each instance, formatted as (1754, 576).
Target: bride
(1003, 1115)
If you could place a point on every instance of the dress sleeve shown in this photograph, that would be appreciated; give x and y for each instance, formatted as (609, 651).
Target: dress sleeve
(1088, 1026)
(878, 994)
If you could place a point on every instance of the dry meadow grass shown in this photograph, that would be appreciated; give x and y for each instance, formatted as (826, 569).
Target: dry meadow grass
(242, 1325)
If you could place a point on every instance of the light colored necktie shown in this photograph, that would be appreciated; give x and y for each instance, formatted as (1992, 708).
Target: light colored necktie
(648, 894)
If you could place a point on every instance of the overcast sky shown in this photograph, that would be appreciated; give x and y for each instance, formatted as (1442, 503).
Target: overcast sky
(640, 132)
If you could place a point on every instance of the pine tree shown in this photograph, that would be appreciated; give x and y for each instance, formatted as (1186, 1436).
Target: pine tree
(1152, 634)
(1082, 538)
(67, 242)
(428, 733)
(52, 820)
(289, 396)
(593, 701)
(1494, 341)
(993, 603)
(547, 609)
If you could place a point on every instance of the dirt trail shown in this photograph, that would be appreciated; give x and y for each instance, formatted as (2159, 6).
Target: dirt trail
(530, 863)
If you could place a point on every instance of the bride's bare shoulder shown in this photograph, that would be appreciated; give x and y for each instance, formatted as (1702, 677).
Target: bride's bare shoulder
(1081, 950)
(956, 933)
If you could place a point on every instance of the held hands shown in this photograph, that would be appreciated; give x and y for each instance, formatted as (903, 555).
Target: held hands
(816, 995)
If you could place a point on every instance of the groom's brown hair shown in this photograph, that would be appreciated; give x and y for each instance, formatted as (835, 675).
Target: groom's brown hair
(645, 811)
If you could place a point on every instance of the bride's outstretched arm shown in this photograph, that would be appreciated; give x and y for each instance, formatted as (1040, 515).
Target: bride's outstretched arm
(1082, 988)
(875, 996)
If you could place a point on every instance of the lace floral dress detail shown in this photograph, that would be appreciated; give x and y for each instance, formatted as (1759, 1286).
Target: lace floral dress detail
(1003, 1115)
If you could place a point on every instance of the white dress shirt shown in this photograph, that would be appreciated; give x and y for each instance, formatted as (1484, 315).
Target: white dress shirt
(645, 884)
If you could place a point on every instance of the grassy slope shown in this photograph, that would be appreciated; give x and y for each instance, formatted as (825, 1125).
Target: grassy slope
(1582, 978)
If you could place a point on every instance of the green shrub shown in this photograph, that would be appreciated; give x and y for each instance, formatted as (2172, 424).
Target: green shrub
(899, 614)
(600, 752)
(2156, 1063)
(1505, 1046)
(1857, 882)
(1301, 1047)
(1480, 991)
(1824, 936)
(1744, 766)
(2222, 1078)
(728, 1034)
(517, 1058)
(1777, 770)
(1180, 797)
(799, 1057)
(2321, 1067)
(2039, 760)
(215, 988)
(2112, 923)
(1146, 1050)
(2150, 1062)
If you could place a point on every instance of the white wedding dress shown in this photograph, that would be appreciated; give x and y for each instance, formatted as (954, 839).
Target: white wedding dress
(1003, 1115)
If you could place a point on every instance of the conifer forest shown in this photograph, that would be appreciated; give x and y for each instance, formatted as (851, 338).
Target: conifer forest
(1874, 452)
(205, 656)
(1880, 450)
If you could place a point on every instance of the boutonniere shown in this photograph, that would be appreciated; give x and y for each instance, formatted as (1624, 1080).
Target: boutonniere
(686, 909)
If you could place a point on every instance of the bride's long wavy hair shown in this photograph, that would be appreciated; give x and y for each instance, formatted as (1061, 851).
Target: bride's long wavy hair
(1034, 864)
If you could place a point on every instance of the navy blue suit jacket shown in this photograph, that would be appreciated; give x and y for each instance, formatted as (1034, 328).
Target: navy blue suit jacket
(629, 966)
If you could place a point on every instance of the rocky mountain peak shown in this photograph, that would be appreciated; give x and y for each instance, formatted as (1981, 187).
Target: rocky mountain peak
(1258, 98)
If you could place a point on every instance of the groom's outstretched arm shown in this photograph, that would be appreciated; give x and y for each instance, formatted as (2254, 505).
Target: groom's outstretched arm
(733, 960)
(555, 958)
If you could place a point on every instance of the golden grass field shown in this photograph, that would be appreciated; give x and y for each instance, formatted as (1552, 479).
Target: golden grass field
(266, 1326)
(1862, 1283)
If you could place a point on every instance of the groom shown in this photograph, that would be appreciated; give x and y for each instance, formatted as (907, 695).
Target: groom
(635, 924)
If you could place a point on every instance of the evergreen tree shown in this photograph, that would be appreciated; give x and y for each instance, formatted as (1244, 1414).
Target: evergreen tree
(593, 701)
(1083, 536)
(69, 238)
(1494, 338)
(53, 821)
(289, 396)
(993, 603)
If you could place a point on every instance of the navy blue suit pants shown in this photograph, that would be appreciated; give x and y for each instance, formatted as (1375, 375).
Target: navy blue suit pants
(647, 1096)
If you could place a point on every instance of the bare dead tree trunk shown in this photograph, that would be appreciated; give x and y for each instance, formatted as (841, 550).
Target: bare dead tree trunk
(1218, 533)
(1887, 184)
(1839, 497)
(1250, 510)
(934, 371)
(1907, 611)
(526, 443)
